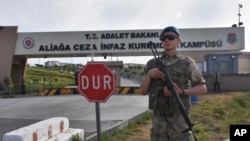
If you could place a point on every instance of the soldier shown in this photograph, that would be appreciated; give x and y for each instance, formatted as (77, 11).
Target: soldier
(182, 69)
(7, 83)
(216, 82)
(22, 86)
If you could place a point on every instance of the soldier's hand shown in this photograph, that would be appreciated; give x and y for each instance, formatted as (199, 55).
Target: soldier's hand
(166, 91)
(178, 90)
(156, 73)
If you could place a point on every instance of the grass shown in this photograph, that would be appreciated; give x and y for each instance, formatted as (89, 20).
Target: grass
(214, 114)
(58, 79)
(131, 130)
(212, 117)
(38, 78)
(76, 138)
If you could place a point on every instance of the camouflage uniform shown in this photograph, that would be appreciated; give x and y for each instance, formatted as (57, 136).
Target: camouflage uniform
(182, 70)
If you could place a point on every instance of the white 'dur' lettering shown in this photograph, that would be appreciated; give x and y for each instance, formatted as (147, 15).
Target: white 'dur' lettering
(96, 82)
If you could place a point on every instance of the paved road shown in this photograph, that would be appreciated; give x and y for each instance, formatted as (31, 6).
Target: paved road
(115, 113)
(129, 82)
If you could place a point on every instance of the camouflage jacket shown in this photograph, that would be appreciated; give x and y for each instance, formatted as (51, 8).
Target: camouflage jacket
(182, 70)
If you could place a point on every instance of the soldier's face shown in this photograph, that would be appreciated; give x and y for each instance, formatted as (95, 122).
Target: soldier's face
(170, 40)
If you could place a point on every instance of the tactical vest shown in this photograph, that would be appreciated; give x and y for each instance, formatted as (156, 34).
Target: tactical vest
(179, 74)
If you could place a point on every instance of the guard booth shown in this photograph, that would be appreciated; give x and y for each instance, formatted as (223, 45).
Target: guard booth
(116, 67)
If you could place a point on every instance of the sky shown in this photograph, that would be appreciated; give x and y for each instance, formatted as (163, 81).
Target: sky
(97, 15)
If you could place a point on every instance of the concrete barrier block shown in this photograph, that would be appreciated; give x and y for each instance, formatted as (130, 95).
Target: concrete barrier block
(67, 135)
(39, 131)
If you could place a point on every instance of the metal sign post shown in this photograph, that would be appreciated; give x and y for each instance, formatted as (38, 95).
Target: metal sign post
(98, 121)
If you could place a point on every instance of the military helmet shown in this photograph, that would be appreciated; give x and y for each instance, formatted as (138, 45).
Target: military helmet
(170, 28)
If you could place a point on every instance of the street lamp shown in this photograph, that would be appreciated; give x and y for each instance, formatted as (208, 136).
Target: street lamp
(240, 23)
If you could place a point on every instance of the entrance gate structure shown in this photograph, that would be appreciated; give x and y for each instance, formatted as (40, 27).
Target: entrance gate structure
(16, 47)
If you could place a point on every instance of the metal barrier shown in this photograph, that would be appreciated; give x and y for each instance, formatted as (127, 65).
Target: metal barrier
(74, 90)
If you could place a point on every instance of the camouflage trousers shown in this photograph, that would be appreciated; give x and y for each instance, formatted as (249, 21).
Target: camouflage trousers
(161, 131)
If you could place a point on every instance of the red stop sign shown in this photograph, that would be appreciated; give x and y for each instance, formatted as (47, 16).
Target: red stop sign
(96, 82)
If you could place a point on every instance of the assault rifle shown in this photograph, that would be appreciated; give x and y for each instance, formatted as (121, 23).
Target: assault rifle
(170, 86)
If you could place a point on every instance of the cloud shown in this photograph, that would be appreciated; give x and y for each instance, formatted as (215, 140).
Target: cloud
(179, 15)
(85, 15)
